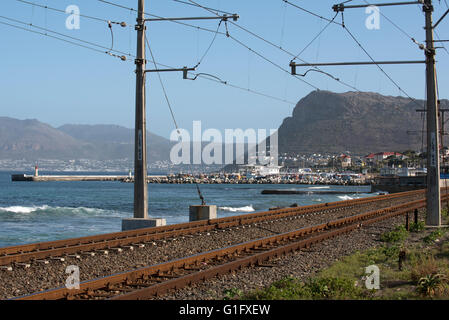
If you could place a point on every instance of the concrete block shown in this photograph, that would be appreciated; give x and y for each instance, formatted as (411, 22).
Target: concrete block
(201, 212)
(139, 223)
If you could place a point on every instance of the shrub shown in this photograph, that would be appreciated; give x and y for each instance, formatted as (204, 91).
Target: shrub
(424, 266)
(417, 227)
(434, 235)
(432, 284)
(232, 293)
(398, 234)
(315, 288)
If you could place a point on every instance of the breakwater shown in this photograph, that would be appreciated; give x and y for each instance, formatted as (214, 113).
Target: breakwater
(189, 179)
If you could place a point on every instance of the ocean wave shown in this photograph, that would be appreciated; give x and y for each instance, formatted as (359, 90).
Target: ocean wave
(48, 210)
(238, 209)
(345, 197)
(323, 187)
(21, 209)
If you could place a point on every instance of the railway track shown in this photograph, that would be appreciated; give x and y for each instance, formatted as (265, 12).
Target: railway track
(90, 245)
(156, 280)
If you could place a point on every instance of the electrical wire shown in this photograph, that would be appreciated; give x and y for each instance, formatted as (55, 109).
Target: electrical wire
(442, 43)
(216, 32)
(159, 17)
(312, 13)
(60, 10)
(210, 45)
(280, 48)
(216, 10)
(66, 36)
(398, 27)
(380, 68)
(203, 202)
(316, 37)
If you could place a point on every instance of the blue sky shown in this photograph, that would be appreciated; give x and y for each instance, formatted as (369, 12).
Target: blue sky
(58, 83)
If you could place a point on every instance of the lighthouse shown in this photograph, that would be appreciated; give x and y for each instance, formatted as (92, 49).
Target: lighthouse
(36, 171)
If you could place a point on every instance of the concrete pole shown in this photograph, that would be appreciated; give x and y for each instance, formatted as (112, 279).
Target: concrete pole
(433, 155)
(140, 150)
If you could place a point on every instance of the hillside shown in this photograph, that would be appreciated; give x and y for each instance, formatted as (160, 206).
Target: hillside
(31, 139)
(360, 122)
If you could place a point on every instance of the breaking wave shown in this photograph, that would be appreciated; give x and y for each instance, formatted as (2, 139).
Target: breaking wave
(345, 197)
(20, 209)
(47, 210)
(238, 209)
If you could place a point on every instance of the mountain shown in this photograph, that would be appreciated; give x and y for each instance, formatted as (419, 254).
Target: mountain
(116, 140)
(360, 122)
(31, 139)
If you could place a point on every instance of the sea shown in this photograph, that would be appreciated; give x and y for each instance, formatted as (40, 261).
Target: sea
(45, 211)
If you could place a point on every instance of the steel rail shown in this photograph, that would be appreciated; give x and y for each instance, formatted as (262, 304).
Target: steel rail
(111, 236)
(44, 250)
(154, 278)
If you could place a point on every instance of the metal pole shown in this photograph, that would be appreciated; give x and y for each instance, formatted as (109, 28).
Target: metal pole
(140, 150)
(433, 155)
(355, 63)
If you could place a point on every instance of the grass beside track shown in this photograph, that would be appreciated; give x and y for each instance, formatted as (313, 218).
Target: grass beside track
(413, 264)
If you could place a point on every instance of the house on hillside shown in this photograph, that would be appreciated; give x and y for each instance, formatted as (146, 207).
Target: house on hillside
(383, 155)
(369, 159)
(345, 160)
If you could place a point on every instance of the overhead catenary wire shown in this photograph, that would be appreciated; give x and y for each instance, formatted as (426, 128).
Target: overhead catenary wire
(226, 34)
(398, 27)
(280, 48)
(210, 45)
(34, 4)
(216, 10)
(374, 61)
(109, 50)
(316, 37)
(94, 47)
(160, 17)
(227, 83)
(239, 42)
(312, 13)
(55, 37)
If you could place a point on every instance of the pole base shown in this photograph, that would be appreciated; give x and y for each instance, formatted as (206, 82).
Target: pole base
(436, 227)
(139, 223)
(200, 212)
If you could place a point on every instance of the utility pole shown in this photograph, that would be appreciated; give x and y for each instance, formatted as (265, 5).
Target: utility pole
(140, 147)
(433, 154)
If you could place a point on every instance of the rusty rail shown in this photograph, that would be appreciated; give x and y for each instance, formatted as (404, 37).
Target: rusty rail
(158, 279)
(42, 250)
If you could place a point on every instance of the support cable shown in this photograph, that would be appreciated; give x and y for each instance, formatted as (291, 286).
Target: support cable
(277, 47)
(372, 59)
(203, 202)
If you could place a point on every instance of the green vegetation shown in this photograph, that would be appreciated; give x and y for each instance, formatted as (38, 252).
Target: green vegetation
(422, 274)
(435, 284)
(315, 288)
(433, 236)
(232, 293)
(445, 212)
(417, 227)
(399, 234)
